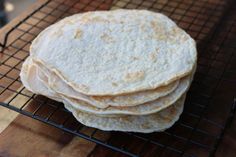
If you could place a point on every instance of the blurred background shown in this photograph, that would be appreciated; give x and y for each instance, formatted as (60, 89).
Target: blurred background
(9, 9)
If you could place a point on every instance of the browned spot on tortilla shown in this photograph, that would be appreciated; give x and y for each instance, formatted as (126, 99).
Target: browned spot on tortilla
(173, 110)
(86, 17)
(68, 21)
(175, 30)
(125, 118)
(145, 126)
(159, 34)
(99, 98)
(98, 19)
(153, 56)
(135, 58)
(185, 38)
(134, 76)
(114, 84)
(58, 33)
(153, 25)
(83, 87)
(96, 98)
(165, 118)
(89, 19)
(78, 33)
(107, 38)
(143, 27)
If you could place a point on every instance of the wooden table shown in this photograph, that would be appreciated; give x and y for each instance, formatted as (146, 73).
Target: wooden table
(25, 137)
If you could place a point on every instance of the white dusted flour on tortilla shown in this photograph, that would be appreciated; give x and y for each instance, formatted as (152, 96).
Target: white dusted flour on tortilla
(149, 123)
(116, 52)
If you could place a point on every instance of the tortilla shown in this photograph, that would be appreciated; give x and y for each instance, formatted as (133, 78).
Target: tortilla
(159, 121)
(116, 52)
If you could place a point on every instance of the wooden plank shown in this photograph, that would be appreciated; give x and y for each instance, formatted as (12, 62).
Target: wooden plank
(28, 137)
(6, 117)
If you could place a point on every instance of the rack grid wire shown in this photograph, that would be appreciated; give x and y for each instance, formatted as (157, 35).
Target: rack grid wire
(208, 108)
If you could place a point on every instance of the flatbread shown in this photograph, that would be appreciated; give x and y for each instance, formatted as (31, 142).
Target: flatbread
(116, 52)
(29, 79)
(149, 123)
(143, 109)
(54, 82)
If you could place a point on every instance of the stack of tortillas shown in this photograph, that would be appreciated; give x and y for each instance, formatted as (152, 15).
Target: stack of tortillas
(124, 70)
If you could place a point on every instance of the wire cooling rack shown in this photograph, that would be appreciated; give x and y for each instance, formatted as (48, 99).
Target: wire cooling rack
(209, 107)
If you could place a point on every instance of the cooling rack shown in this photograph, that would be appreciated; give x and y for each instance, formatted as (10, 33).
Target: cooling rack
(210, 104)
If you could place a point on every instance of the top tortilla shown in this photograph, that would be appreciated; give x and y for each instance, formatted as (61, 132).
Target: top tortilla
(116, 52)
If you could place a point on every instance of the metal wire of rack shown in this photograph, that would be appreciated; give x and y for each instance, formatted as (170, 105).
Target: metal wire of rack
(201, 126)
